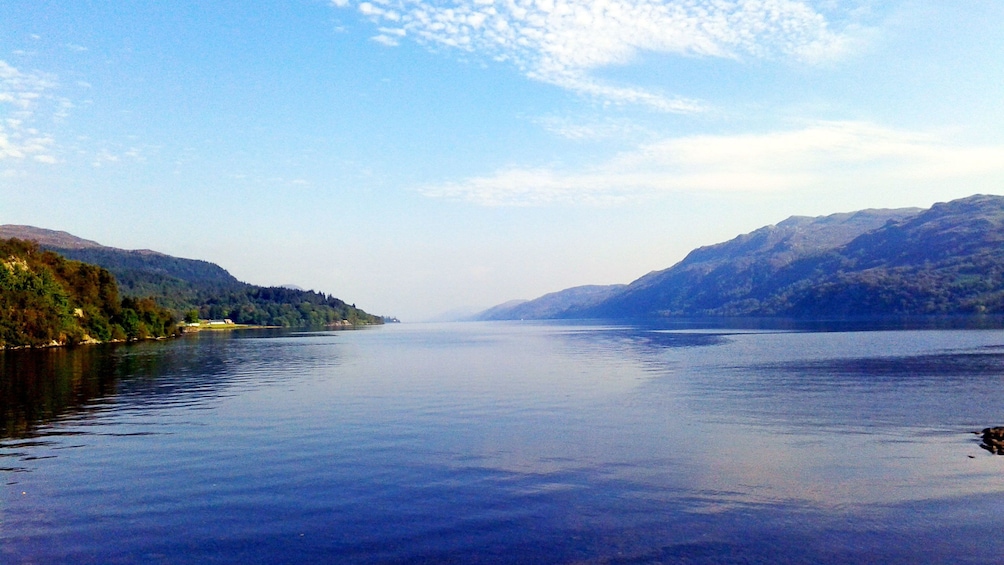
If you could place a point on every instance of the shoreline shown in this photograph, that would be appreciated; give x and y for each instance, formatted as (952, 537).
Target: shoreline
(182, 331)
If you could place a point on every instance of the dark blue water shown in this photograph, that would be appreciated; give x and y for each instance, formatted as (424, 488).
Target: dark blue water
(506, 443)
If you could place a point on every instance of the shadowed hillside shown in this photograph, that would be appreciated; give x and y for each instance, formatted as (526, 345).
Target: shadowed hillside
(550, 305)
(945, 260)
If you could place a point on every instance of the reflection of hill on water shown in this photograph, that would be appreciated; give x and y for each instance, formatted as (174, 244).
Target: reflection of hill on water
(893, 370)
(40, 386)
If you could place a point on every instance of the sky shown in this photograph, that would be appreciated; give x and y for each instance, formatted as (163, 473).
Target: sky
(422, 157)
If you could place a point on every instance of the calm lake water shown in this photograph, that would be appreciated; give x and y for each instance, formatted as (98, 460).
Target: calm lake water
(506, 443)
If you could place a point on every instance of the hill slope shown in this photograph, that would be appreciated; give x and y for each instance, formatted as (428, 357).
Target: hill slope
(945, 260)
(550, 305)
(46, 299)
(139, 272)
(724, 278)
(183, 285)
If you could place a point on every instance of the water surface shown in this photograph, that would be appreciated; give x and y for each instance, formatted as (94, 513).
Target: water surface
(506, 443)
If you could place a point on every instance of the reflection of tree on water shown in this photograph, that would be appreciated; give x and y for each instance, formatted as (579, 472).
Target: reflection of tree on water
(40, 386)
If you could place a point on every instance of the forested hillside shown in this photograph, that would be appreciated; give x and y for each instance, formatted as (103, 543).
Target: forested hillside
(187, 286)
(277, 306)
(736, 277)
(46, 299)
(948, 260)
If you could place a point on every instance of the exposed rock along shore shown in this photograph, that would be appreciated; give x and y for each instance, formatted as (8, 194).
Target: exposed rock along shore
(993, 440)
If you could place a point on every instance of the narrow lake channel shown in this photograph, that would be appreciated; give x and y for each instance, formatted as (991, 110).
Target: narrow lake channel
(506, 443)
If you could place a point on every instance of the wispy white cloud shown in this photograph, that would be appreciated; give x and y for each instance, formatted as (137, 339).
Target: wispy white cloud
(823, 155)
(385, 39)
(104, 157)
(114, 154)
(561, 41)
(595, 130)
(21, 94)
(22, 90)
(30, 109)
(18, 144)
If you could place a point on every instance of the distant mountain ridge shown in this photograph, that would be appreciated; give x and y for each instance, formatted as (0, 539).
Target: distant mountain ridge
(138, 271)
(47, 238)
(550, 305)
(945, 260)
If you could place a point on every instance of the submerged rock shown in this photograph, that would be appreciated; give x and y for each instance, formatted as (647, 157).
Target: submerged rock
(993, 440)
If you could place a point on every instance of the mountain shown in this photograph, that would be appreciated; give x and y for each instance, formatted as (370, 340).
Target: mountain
(550, 305)
(47, 238)
(138, 272)
(945, 260)
(722, 279)
(498, 312)
(186, 285)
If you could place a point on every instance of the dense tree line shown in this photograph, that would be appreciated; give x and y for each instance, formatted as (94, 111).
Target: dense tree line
(276, 306)
(46, 298)
(246, 303)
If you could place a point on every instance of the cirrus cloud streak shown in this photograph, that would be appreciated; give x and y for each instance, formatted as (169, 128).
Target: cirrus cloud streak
(561, 41)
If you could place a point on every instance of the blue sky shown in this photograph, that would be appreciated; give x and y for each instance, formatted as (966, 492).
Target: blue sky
(415, 157)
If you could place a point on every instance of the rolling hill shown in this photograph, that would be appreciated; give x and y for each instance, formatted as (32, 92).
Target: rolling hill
(184, 285)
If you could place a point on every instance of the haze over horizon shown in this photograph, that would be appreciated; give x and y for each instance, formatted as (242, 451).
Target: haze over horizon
(415, 157)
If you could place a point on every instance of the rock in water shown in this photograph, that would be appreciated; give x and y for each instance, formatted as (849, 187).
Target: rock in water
(993, 440)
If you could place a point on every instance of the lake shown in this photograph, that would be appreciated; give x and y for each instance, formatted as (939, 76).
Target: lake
(506, 443)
